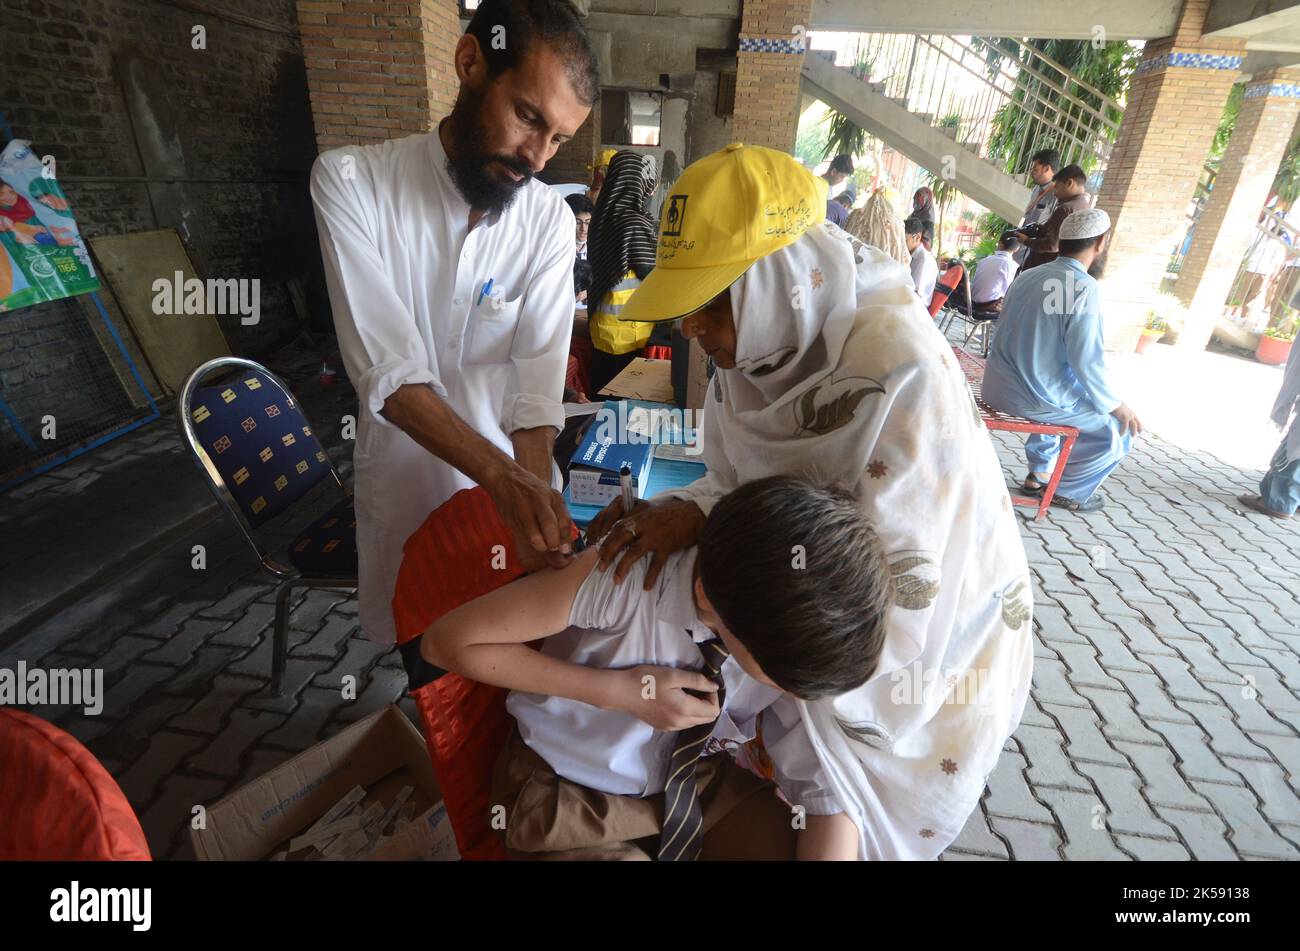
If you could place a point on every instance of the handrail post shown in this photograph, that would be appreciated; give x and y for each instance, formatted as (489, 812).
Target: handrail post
(907, 90)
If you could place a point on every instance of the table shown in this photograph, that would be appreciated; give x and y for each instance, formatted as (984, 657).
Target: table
(973, 368)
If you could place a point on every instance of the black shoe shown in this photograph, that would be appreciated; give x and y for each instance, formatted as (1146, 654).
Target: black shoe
(1095, 503)
(1256, 504)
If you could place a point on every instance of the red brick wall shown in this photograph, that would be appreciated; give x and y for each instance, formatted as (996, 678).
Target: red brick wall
(378, 71)
(1227, 225)
(1173, 108)
(767, 73)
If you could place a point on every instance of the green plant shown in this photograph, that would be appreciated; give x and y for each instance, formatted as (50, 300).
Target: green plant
(1227, 122)
(992, 225)
(810, 144)
(1166, 313)
(1017, 132)
(1284, 331)
(983, 248)
(1286, 185)
(945, 190)
(843, 135)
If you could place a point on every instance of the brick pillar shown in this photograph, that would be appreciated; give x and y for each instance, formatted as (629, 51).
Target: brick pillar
(1174, 102)
(1227, 225)
(773, 37)
(373, 75)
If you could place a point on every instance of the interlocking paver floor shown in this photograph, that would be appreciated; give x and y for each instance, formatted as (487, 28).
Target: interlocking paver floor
(1164, 721)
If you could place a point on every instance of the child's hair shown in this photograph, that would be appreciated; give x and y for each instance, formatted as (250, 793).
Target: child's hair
(796, 572)
(580, 204)
(913, 226)
(581, 277)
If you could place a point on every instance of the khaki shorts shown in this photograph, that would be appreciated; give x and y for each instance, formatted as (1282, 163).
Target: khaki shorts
(551, 818)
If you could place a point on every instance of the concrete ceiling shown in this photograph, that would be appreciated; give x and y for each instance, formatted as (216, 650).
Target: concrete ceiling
(1264, 24)
(1055, 19)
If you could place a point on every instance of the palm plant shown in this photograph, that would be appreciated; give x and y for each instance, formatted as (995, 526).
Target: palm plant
(1018, 132)
(843, 135)
(945, 190)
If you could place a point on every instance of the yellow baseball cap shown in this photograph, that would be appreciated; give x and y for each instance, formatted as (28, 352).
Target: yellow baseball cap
(724, 213)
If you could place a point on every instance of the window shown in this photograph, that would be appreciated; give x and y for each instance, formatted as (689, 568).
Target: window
(630, 117)
(646, 109)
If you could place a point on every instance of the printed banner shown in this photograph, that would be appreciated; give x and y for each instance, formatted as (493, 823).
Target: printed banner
(42, 255)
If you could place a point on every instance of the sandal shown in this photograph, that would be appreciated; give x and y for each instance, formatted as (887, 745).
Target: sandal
(1256, 504)
(1094, 503)
(1033, 485)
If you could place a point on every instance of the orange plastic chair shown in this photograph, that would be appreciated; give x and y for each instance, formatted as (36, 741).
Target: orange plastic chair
(448, 561)
(944, 287)
(57, 801)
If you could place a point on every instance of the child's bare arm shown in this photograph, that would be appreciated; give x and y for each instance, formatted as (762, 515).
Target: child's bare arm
(486, 640)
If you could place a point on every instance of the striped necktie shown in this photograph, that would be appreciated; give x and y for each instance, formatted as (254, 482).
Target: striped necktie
(683, 829)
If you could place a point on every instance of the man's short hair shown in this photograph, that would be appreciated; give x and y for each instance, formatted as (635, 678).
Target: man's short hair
(1072, 173)
(914, 226)
(842, 163)
(1009, 242)
(506, 29)
(1049, 157)
(796, 572)
(580, 204)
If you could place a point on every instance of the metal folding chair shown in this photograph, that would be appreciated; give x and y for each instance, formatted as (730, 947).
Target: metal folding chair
(982, 323)
(260, 456)
(953, 309)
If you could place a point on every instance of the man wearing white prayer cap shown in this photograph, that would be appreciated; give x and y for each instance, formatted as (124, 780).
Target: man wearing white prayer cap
(1048, 364)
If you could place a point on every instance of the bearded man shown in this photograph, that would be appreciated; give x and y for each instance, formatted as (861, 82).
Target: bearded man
(450, 273)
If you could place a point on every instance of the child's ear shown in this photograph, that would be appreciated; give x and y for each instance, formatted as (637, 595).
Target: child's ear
(701, 598)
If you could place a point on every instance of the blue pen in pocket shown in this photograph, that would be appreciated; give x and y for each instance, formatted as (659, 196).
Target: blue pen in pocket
(487, 289)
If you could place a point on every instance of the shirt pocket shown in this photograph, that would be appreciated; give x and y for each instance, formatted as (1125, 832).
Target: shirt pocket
(492, 331)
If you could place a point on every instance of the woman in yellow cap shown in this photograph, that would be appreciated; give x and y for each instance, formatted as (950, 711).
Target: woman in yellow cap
(827, 366)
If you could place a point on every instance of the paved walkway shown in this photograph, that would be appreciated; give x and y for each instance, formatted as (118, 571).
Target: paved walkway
(1164, 720)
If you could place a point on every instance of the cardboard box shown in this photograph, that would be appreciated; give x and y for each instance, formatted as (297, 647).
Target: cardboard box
(382, 753)
(594, 468)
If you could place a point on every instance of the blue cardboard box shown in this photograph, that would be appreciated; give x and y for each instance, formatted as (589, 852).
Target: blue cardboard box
(594, 468)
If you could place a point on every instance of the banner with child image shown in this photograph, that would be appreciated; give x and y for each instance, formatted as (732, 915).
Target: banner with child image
(42, 255)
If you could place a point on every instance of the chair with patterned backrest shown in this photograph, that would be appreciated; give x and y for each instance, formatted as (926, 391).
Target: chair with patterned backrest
(260, 456)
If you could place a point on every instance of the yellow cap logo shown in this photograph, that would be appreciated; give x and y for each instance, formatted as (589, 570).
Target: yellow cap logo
(725, 212)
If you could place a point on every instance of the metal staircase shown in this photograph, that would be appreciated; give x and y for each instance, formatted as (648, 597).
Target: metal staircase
(936, 99)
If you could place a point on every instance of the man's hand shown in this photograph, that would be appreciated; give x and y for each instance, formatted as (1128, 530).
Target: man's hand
(659, 527)
(658, 696)
(536, 516)
(1128, 421)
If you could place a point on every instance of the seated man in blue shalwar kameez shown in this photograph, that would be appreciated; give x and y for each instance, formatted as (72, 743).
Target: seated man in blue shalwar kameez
(1048, 364)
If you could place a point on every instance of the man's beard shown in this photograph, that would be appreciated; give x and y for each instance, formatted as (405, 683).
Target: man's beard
(1098, 268)
(484, 188)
